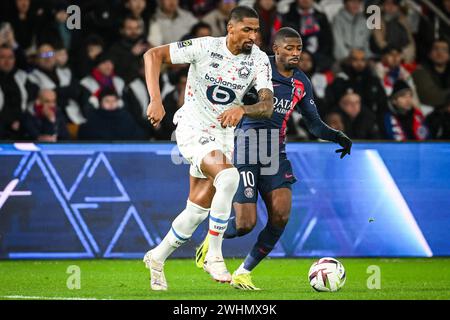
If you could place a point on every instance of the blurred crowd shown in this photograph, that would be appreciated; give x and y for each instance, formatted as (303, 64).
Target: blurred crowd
(58, 83)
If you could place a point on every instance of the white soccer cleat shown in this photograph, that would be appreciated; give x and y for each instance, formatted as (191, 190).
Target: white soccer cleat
(217, 269)
(157, 278)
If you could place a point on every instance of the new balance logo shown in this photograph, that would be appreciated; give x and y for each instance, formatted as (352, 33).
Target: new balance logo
(216, 56)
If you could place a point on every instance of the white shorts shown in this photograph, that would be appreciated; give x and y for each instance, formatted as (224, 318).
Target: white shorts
(194, 144)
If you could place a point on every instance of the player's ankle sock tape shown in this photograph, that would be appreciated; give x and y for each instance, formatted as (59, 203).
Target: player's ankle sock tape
(226, 184)
(186, 223)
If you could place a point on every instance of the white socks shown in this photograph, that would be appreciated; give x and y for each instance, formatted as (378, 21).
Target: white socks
(182, 229)
(226, 183)
(184, 225)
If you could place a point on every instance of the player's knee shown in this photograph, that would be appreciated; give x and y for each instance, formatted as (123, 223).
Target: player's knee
(244, 229)
(279, 219)
(188, 220)
(197, 212)
(227, 181)
(245, 226)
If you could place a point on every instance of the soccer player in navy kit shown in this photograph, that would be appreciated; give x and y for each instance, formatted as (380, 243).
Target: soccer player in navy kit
(292, 89)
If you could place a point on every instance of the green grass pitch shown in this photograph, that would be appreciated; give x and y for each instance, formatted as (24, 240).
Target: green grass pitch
(280, 279)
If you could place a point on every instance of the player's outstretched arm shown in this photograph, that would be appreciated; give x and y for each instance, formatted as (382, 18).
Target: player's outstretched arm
(321, 130)
(263, 108)
(153, 60)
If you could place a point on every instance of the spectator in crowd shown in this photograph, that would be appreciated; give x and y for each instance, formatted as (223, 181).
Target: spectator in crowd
(319, 80)
(102, 77)
(84, 60)
(432, 27)
(172, 102)
(7, 38)
(136, 100)
(127, 52)
(269, 22)
(109, 57)
(26, 22)
(218, 18)
(62, 58)
(46, 75)
(172, 22)
(334, 120)
(403, 120)
(110, 121)
(359, 122)
(13, 95)
(438, 121)
(101, 17)
(315, 30)
(390, 69)
(350, 30)
(356, 71)
(44, 122)
(395, 30)
(432, 78)
(138, 9)
(199, 7)
(200, 29)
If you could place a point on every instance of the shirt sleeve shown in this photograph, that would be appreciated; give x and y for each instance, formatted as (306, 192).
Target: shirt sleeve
(307, 107)
(188, 51)
(263, 74)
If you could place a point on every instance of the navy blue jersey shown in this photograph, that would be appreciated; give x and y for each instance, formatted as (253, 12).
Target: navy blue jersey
(291, 93)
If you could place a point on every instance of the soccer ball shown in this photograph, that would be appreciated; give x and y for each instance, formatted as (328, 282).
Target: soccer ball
(327, 274)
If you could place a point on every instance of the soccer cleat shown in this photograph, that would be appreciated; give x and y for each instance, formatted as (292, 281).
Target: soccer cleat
(243, 281)
(217, 269)
(157, 278)
(201, 251)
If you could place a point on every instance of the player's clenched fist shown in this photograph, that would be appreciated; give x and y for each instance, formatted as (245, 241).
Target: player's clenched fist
(155, 112)
(231, 117)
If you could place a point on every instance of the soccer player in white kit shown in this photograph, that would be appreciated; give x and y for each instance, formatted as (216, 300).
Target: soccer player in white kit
(222, 70)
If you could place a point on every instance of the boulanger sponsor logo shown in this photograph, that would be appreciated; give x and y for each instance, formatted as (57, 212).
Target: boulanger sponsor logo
(224, 83)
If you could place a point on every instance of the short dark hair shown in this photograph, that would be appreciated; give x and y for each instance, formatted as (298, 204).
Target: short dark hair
(198, 26)
(440, 39)
(132, 18)
(286, 32)
(240, 12)
(106, 92)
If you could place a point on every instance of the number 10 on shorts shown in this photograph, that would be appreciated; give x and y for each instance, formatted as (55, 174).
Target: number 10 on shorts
(248, 178)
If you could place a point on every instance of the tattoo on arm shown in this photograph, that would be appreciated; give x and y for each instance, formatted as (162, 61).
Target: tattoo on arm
(263, 108)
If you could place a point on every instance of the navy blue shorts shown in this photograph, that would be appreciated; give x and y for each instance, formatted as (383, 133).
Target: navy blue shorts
(252, 181)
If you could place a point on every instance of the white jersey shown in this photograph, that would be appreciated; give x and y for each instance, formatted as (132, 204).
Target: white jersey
(217, 79)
